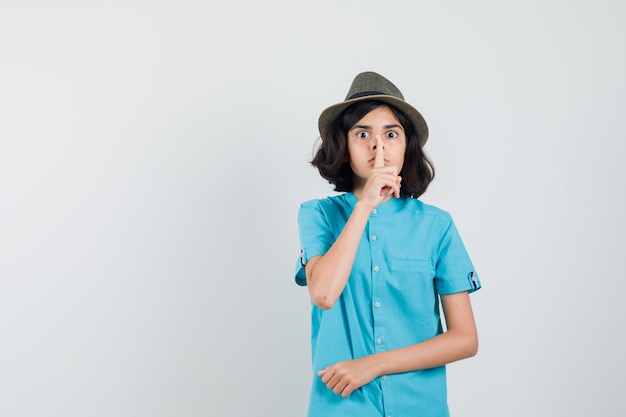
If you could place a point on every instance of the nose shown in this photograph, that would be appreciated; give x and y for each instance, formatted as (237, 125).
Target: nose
(378, 141)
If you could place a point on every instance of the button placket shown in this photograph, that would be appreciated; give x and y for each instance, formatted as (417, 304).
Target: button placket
(378, 279)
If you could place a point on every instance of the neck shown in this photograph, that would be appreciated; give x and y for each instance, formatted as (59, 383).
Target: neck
(358, 191)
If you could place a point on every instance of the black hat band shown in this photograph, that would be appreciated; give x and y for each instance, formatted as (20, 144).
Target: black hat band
(366, 93)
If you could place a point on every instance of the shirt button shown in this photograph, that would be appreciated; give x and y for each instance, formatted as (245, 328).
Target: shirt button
(374, 237)
(377, 304)
(374, 211)
(379, 341)
(376, 268)
(384, 377)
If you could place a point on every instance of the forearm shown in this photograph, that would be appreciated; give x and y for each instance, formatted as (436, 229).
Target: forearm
(440, 350)
(327, 276)
(458, 342)
(344, 377)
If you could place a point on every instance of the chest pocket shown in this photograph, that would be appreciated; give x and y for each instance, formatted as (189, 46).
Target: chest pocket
(415, 280)
(417, 265)
(412, 274)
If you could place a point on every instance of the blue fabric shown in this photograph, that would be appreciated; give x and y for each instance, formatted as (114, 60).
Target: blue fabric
(409, 253)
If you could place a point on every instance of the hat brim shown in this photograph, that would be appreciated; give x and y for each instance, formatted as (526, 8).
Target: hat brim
(330, 114)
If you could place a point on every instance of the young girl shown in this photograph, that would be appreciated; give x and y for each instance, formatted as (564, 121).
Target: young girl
(377, 262)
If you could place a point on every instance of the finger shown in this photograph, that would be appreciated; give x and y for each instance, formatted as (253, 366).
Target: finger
(324, 375)
(397, 190)
(347, 391)
(389, 185)
(332, 381)
(392, 188)
(340, 388)
(379, 159)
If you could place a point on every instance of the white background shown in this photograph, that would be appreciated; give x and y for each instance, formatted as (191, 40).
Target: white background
(153, 156)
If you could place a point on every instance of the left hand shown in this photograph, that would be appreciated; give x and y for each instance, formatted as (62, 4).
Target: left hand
(345, 377)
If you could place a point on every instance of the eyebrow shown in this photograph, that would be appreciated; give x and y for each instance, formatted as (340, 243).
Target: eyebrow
(366, 127)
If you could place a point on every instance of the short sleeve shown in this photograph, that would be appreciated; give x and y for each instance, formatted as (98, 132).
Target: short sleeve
(454, 271)
(315, 236)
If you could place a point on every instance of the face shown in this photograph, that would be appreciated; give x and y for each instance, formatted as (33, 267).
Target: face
(378, 126)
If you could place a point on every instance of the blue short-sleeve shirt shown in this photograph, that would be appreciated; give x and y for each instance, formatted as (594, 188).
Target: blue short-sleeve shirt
(409, 254)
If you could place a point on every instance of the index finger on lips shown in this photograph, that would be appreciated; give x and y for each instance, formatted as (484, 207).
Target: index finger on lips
(379, 159)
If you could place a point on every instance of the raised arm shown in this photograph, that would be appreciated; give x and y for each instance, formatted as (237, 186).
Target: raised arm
(327, 275)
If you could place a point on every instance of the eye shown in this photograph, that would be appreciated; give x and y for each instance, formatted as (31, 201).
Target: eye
(362, 135)
(392, 135)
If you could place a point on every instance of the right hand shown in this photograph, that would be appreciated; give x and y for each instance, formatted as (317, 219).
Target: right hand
(383, 181)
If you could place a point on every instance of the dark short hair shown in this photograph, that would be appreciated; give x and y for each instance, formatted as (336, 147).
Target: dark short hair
(332, 158)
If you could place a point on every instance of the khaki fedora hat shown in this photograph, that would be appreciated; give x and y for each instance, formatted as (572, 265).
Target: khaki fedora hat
(372, 86)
